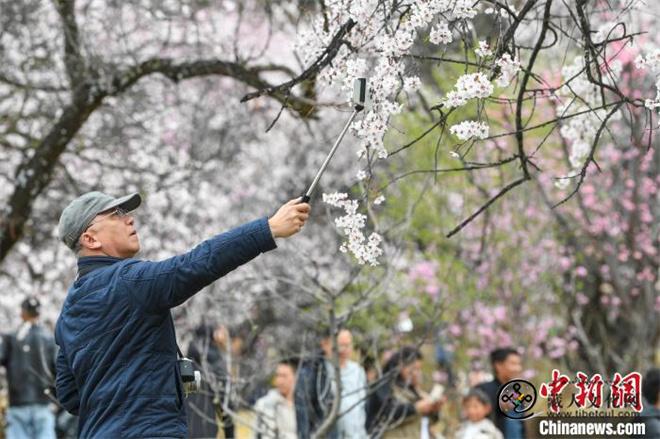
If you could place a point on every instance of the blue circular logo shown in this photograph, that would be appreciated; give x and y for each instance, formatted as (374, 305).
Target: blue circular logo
(516, 399)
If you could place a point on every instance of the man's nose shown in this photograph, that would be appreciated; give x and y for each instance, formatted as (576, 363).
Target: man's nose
(129, 219)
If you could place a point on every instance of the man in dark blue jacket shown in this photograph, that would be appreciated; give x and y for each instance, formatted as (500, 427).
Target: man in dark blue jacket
(117, 364)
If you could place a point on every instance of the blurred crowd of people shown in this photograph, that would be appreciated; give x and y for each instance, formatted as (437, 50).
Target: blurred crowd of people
(381, 398)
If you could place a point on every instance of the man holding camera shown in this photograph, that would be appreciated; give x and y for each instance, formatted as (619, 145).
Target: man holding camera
(117, 365)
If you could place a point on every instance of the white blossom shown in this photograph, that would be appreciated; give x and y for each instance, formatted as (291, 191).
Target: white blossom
(651, 61)
(580, 131)
(365, 250)
(468, 129)
(412, 83)
(652, 104)
(441, 34)
(483, 50)
(462, 9)
(509, 68)
(469, 86)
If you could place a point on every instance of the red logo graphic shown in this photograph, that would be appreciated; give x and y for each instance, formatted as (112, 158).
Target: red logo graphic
(625, 391)
(590, 390)
(553, 389)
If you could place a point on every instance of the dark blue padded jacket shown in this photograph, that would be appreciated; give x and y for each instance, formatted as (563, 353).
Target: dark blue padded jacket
(117, 363)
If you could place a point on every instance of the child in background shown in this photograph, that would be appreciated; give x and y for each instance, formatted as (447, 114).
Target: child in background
(476, 407)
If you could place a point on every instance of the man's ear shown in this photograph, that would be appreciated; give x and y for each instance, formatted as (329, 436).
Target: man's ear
(89, 241)
(497, 369)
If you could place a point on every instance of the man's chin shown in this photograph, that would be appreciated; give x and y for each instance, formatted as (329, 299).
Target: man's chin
(134, 251)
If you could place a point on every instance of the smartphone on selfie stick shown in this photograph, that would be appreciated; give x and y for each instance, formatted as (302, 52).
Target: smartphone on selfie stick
(359, 102)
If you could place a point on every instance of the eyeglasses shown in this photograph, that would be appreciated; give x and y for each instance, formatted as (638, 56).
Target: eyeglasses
(119, 212)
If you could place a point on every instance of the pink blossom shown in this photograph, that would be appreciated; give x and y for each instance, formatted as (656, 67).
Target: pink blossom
(432, 290)
(564, 263)
(581, 271)
(423, 270)
(499, 312)
(455, 330)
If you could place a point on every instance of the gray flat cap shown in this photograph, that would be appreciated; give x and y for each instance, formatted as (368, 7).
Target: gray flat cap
(80, 212)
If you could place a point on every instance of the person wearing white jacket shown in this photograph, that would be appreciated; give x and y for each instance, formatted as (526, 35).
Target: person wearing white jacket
(276, 413)
(476, 407)
(351, 423)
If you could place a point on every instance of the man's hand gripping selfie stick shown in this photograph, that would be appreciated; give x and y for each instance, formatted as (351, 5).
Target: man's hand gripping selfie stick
(359, 101)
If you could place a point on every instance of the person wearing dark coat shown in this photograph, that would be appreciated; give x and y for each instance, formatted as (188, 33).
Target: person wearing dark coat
(650, 414)
(117, 367)
(313, 393)
(28, 355)
(507, 365)
(396, 404)
(208, 351)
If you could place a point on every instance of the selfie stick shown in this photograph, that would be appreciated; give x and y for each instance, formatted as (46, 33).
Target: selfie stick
(359, 100)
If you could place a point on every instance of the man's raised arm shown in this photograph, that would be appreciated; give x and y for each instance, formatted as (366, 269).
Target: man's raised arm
(158, 286)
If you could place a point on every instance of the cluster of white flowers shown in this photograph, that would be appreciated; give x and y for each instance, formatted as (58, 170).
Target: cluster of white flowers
(355, 68)
(652, 104)
(412, 83)
(366, 250)
(469, 86)
(463, 9)
(483, 50)
(580, 131)
(493, 11)
(397, 44)
(379, 200)
(440, 33)
(382, 59)
(651, 62)
(371, 128)
(509, 68)
(469, 129)
(423, 13)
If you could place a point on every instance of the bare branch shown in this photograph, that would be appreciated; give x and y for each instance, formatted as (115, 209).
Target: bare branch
(73, 59)
(523, 86)
(469, 219)
(323, 60)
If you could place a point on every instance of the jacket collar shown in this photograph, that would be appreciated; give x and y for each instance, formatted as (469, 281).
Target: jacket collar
(88, 264)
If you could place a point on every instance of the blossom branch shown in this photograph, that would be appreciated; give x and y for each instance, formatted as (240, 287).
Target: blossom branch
(590, 158)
